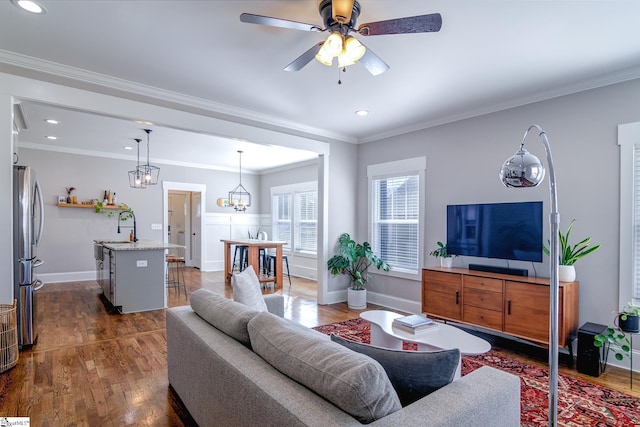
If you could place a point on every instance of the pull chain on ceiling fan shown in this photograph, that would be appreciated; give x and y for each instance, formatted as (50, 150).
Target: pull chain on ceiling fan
(339, 18)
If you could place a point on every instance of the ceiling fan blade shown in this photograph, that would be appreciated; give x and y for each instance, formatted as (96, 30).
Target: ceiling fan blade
(299, 63)
(373, 63)
(411, 24)
(250, 18)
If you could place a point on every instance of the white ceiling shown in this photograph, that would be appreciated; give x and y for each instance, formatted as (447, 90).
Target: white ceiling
(489, 55)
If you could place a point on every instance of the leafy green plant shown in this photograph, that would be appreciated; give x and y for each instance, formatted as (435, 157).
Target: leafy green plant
(441, 251)
(616, 336)
(99, 208)
(354, 260)
(570, 254)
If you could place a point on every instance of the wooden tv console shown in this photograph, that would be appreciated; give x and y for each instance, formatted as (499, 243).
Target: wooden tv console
(513, 305)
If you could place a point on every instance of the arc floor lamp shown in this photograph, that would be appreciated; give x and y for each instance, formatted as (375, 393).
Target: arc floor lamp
(521, 170)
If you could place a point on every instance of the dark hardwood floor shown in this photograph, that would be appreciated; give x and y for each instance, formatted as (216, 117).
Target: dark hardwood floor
(93, 367)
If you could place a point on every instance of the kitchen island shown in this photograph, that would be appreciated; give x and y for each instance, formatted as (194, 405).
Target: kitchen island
(132, 274)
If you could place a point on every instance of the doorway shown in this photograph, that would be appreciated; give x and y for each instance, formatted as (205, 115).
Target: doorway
(183, 213)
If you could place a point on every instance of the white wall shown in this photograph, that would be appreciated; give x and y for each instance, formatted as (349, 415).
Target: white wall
(6, 193)
(463, 161)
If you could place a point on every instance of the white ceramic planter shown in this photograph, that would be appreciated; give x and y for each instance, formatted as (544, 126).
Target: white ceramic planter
(446, 262)
(357, 299)
(566, 273)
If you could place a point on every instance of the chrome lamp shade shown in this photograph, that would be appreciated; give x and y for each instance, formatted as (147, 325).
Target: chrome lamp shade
(522, 170)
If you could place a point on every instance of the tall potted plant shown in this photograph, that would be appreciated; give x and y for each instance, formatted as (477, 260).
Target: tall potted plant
(570, 254)
(353, 260)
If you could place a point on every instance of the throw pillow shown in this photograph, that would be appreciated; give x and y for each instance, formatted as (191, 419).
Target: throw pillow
(247, 290)
(353, 382)
(223, 314)
(413, 374)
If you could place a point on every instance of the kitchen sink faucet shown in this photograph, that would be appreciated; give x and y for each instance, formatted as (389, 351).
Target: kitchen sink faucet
(135, 234)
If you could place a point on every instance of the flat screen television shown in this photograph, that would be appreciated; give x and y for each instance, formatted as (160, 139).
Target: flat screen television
(510, 231)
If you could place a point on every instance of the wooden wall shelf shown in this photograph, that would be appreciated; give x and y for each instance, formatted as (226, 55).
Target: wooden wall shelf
(79, 205)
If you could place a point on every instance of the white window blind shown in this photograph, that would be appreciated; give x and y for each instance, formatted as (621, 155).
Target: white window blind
(306, 221)
(636, 223)
(395, 221)
(282, 216)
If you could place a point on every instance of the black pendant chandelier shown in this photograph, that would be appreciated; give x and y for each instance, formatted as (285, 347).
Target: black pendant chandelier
(239, 197)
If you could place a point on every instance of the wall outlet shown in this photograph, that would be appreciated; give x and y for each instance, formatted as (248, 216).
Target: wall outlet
(156, 226)
(141, 263)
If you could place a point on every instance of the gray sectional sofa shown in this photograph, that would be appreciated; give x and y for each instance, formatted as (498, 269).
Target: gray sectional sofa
(221, 380)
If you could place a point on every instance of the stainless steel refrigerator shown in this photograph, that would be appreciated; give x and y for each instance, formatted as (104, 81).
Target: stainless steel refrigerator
(28, 222)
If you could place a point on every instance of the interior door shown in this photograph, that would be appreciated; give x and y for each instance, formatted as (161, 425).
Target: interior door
(196, 224)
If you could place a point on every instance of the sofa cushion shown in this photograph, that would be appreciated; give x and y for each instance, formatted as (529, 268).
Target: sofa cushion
(246, 289)
(224, 314)
(413, 374)
(353, 382)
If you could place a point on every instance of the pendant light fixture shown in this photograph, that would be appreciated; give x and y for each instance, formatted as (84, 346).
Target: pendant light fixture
(136, 177)
(150, 173)
(239, 197)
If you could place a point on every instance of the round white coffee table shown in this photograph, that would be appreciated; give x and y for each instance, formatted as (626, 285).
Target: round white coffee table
(443, 337)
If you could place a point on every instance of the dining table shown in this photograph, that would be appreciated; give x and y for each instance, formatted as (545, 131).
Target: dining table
(253, 251)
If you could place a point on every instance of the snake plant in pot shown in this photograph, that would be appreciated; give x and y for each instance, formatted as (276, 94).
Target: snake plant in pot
(354, 260)
(570, 254)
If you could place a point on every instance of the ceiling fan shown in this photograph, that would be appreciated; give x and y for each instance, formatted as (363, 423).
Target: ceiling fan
(339, 18)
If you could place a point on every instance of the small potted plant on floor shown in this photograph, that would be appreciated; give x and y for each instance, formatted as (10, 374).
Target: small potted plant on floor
(354, 260)
(626, 321)
(570, 254)
(446, 259)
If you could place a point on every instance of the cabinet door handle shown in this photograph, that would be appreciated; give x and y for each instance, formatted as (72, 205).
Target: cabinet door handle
(457, 297)
(509, 306)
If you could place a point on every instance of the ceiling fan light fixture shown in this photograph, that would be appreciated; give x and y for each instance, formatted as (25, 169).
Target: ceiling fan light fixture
(341, 10)
(324, 57)
(354, 49)
(333, 44)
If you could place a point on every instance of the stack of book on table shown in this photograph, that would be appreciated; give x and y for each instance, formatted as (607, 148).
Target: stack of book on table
(414, 323)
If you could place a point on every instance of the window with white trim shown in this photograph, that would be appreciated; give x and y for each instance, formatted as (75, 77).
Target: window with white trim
(396, 212)
(629, 141)
(295, 216)
(282, 219)
(306, 221)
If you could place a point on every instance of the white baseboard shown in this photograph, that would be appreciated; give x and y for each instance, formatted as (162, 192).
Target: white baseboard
(73, 276)
(625, 363)
(394, 303)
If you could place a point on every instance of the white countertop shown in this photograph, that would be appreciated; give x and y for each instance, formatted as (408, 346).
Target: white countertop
(140, 245)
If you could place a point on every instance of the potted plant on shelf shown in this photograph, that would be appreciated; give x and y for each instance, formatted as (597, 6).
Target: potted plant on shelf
(570, 254)
(626, 321)
(446, 259)
(353, 260)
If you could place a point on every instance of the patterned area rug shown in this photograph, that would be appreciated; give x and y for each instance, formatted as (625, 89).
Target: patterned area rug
(579, 403)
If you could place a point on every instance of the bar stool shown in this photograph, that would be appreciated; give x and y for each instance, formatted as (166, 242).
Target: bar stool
(175, 273)
(242, 252)
(273, 258)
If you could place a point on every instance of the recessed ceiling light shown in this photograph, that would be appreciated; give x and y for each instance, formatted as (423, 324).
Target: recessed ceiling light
(127, 147)
(362, 113)
(30, 6)
(52, 121)
(51, 137)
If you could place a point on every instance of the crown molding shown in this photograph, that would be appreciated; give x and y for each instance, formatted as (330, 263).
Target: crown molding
(223, 111)
(589, 84)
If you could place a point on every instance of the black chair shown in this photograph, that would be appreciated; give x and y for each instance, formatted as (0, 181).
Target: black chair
(242, 253)
(273, 258)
